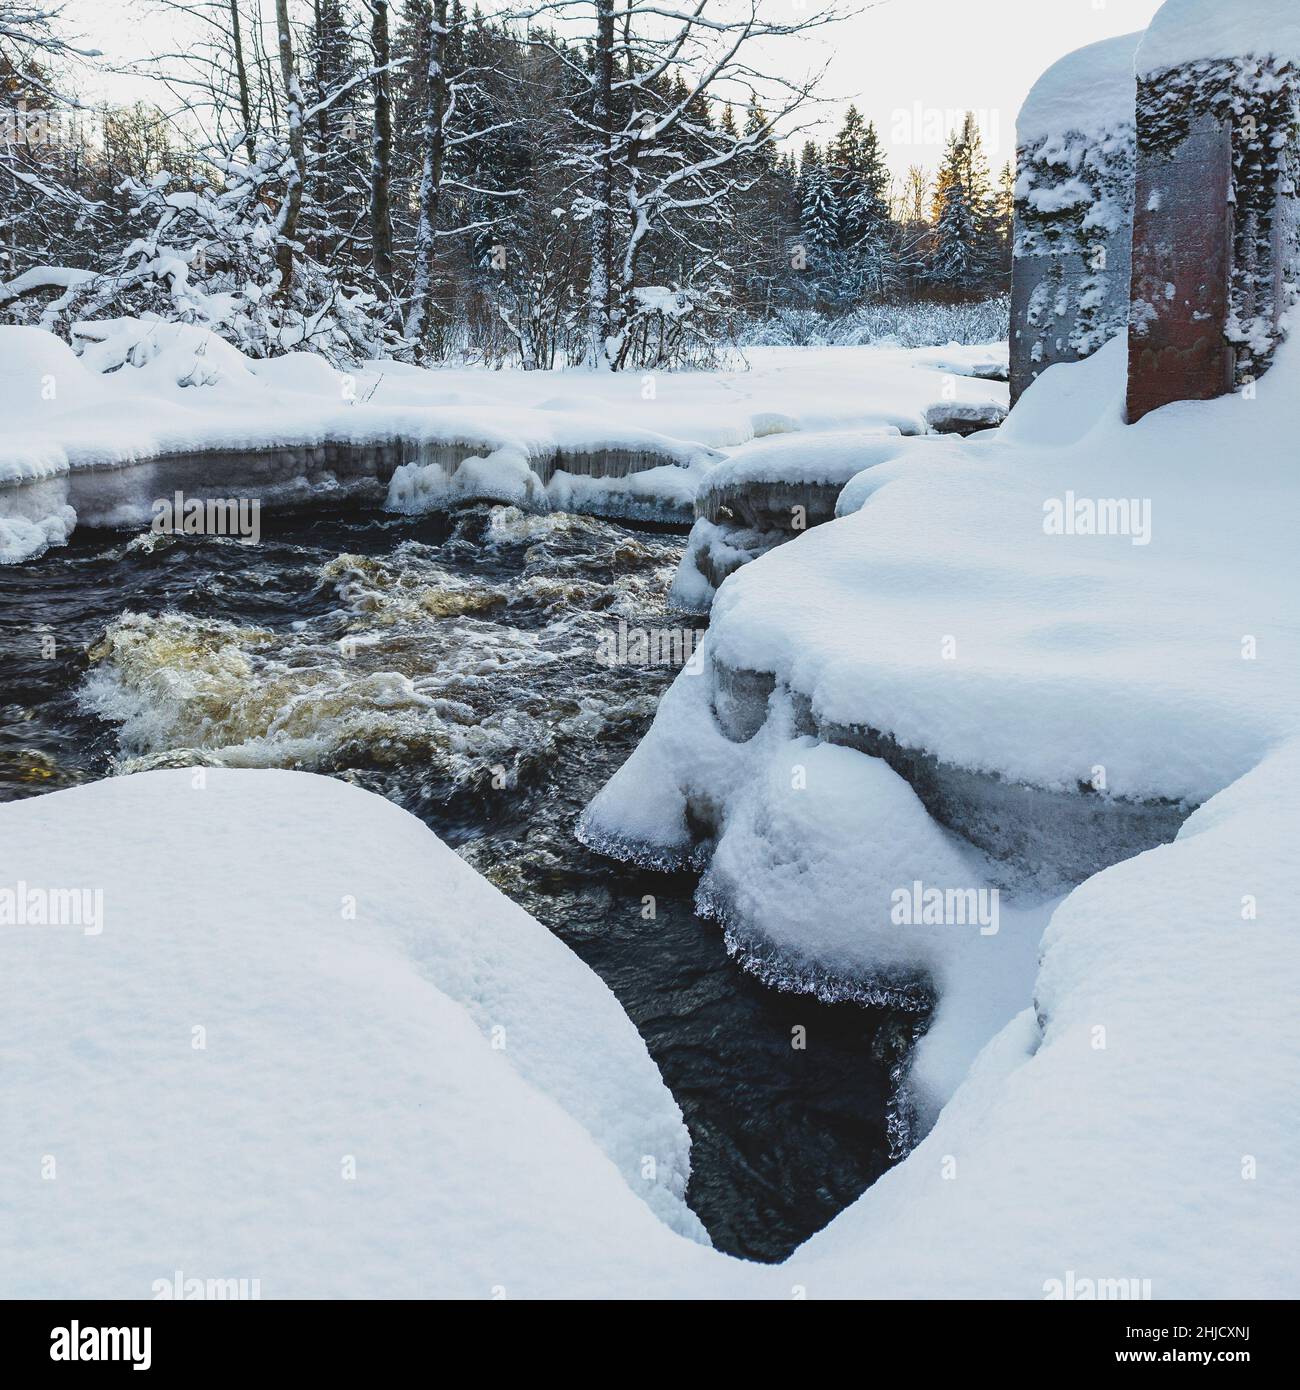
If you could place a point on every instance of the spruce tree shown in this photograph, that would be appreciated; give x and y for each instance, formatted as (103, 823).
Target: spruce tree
(963, 251)
(818, 211)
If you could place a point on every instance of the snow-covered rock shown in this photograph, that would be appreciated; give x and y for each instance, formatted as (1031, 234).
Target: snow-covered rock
(771, 490)
(306, 1043)
(1061, 638)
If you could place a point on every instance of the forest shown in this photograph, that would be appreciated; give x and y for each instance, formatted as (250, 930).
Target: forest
(615, 183)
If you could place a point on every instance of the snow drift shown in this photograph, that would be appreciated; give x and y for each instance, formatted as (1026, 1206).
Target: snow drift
(237, 1078)
(295, 981)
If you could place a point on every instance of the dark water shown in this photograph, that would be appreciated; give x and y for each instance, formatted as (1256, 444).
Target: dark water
(450, 664)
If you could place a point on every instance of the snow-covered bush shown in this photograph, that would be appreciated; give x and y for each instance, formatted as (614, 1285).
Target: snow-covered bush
(921, 324)
(207, 255)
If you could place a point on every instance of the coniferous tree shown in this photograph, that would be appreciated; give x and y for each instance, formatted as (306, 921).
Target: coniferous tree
(963, 251)
(819, 220)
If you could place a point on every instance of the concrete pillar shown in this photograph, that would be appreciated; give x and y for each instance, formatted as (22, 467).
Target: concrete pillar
(1215, 232)
(1075, 151)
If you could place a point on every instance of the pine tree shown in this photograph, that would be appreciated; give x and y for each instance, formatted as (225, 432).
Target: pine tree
(819, 223)
(1004, 206)
(335, 201)
(963, 252)
(866, 215)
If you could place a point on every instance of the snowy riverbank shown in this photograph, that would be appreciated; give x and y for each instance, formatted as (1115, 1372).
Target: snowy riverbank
(309, 1046)
(1010, 663)
(151, 408)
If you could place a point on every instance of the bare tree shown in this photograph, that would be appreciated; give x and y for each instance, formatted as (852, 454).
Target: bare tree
(434, 149)
(241, 77)
(657, 165)
(381, 147)
(295, 170)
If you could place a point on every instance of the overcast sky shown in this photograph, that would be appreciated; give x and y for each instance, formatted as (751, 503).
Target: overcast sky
(912, 66)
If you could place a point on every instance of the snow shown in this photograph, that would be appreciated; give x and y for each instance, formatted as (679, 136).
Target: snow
(987, 360)
(1147, 1130)
(618, 444)
(1162, 1149)
(943, 610)
(1112, 1112)
(360, 992)
(804, 458)
(853, 615)
(1188, 31)
(1089, 92)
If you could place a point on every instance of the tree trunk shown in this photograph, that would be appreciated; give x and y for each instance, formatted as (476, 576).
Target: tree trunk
(434, 139)
(241, 76)
(292, 205)
(601, 226)
(381, 162)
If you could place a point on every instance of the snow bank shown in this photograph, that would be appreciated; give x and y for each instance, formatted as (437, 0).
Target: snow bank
(149, 408)
(1187, 31)
(1137, 1124)
(1068, 651)
(190, 1088)
(292, 980)
(1086, 93)
(1061, 699)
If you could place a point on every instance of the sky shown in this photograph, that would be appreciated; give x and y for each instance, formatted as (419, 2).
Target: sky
(911, 66)
(915, 66)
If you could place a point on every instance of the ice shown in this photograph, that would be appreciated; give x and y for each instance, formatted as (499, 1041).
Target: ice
(24, 538)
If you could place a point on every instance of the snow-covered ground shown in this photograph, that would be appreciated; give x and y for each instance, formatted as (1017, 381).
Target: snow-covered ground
(308, 1046)
(615, 443)
(304, 1042)
(1058, 639)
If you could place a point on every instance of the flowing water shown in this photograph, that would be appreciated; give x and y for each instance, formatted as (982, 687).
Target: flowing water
(451, 664)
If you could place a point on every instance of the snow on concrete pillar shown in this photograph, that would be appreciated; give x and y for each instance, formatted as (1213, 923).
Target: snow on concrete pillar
(1215, 236)
(1075, 150)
